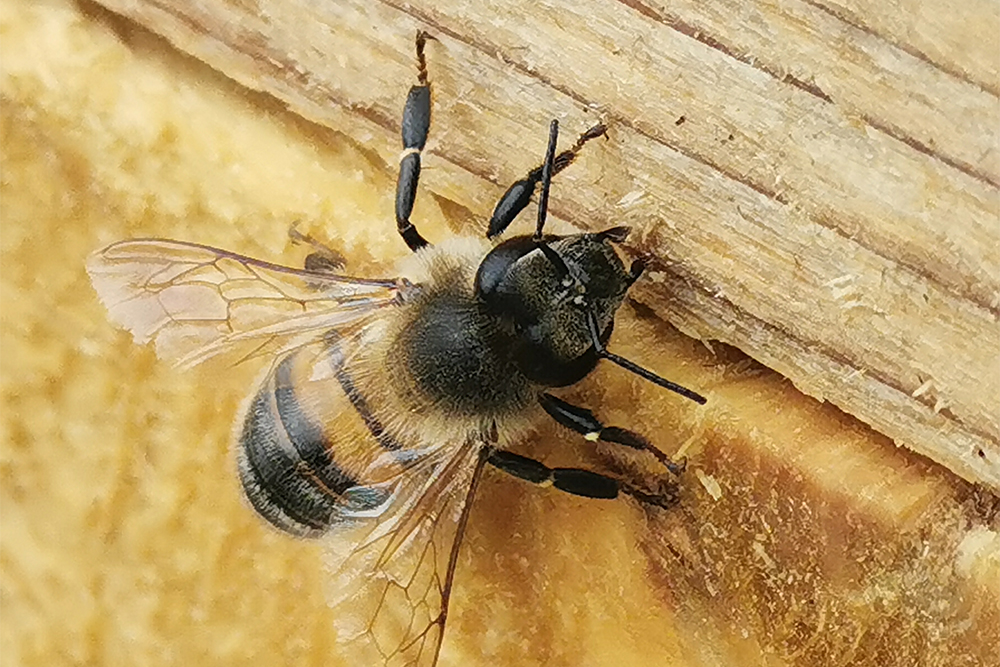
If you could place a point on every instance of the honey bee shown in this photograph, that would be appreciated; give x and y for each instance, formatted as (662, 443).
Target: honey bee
(386, 398)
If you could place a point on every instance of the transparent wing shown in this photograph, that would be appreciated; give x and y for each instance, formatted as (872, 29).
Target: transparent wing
(196, 302)
(391, 574)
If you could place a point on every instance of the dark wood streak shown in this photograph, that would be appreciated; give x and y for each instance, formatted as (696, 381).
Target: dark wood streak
(921, 147)
(674, 22)
(896, 133)
(851, 19)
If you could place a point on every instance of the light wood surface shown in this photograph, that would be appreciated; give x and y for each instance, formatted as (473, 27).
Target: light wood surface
(828, 206)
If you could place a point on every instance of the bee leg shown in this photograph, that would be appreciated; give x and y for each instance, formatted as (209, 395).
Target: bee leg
(416, 125)
(577, 481)
(584, 422)
(323, 259)
(519, 194)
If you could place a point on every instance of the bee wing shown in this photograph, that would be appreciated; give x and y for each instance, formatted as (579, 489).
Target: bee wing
(196, 302)
(392, 573)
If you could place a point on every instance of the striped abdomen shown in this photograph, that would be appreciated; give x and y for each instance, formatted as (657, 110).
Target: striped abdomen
(307, 438)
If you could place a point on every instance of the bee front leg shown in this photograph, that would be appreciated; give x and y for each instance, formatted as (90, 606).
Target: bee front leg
(519, 194)
(416, 126)
(577, 481)
(584, 422)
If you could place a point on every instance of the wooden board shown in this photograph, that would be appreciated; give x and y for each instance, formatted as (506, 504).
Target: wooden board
(802, 536)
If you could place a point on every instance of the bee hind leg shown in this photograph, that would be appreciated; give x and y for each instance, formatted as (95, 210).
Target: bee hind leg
(576, 481)
(584, 422)
(416, 126)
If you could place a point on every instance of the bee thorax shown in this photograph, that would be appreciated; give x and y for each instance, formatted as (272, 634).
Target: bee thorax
(456, 359)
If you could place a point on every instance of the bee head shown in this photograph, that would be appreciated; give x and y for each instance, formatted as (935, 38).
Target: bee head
(556, 296)
(552, 295)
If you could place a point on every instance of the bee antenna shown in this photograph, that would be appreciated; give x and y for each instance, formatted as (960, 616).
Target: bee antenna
(543, 202)
(553, 257)
(543, 197)
(635, 368)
